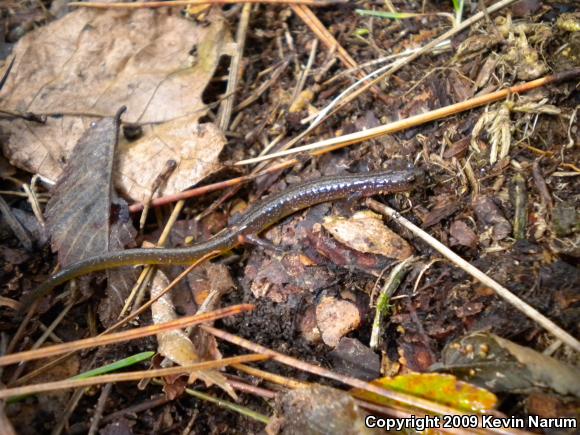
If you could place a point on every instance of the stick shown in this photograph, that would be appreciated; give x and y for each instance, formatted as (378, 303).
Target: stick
(335, 143)
(501, 291)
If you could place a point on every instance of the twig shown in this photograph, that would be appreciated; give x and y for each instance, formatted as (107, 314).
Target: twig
(161, 179)
(233, 407)
(63, 419)
(135, 409)
(42, 339)
(270, 377)
(304, 74)
(520, 201)
(444, 46)
(226, 108)
(327, 145)
(278, 70)
(126, 377)
(426, 48)
(161, 243)
(501, 291)
(413, 401)
(131, 334)
(171, 285)
(138, 290)
(414, 121)
(178, 3)
(96, 420)
(22, 327)
(34, 203)
(199, 191)
(117, 325)
(252, 389)
(312, 21)
(542, 186)
(316, 119)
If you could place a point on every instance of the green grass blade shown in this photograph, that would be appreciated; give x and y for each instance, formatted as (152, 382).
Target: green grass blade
(117, 365)
(390, 15)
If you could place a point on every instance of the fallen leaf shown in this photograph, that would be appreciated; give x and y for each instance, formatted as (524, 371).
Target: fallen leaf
(489, 214)
(503, 366)
(175, 344)
(366, 232)
(445, 206)
(145, 63)
(462, 235)
(78, 212)
(120, 280)
(352, 358)
(195, 147)
(207, 278)
(441, 388)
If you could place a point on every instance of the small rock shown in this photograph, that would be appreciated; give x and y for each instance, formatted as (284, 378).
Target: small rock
(336, 318)
(308, 327)
(317, 410)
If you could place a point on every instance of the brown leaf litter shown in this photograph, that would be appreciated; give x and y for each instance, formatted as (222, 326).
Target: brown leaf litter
(93, 62)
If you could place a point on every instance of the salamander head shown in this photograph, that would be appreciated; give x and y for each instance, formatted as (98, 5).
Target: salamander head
(397, 181)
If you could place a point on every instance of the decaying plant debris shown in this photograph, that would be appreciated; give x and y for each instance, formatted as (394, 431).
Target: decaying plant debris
(338, 292)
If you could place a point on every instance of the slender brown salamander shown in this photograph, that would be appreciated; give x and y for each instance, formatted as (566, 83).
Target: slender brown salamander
(257, 219)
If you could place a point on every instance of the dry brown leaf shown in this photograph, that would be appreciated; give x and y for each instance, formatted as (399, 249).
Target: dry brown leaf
(366, 232)
(120, 281)
(85, 217)
(176, 345)
(92, 62)
(78, 213)
(195, 147)
(208, 279)
(489, 215)
(462, 234)
(503, 366)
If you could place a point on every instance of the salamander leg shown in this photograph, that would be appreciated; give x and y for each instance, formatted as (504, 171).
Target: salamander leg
(261, 243)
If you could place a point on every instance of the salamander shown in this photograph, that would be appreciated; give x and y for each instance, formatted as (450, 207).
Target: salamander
(257, 219)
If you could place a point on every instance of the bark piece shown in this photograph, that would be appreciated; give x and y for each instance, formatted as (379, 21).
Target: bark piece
(489, 214)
